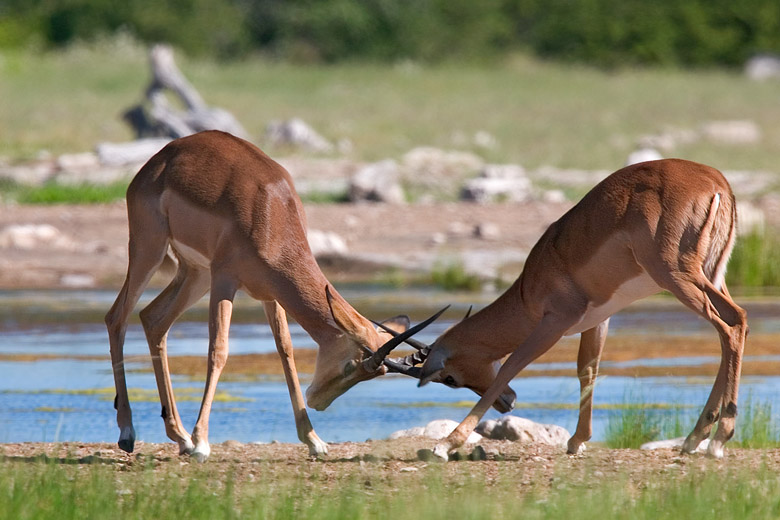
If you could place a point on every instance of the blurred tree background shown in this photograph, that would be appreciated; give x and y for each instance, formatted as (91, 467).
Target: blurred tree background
(607, 33)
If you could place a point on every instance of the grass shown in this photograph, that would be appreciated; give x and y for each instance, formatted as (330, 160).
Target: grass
(452, 276)
(639, 423)
(56, 193)
(755, 261)
(538, 112)
(67, 490)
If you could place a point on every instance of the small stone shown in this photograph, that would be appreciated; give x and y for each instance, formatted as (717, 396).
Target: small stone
(370, 457)
(410, 469)
(457, 456)
(478, 453)
(487, 231)
(426, 455)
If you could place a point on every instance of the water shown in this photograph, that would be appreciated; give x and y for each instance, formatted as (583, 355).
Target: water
(67, 399)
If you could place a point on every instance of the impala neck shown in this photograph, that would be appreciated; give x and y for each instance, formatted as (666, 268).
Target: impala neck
(497, 329)
(304, 299)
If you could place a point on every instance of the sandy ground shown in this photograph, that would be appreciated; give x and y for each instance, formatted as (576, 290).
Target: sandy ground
(92, 248)
(524, 466)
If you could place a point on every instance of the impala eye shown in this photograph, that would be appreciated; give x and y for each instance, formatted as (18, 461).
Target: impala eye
(349, 368)
(450, 381)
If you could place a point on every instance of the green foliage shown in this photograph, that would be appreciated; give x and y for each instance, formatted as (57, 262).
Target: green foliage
(755, 261)
(55, 193)
(603, 32)
(637, 422)
(452, 276)
(755, 426)
(65, 489)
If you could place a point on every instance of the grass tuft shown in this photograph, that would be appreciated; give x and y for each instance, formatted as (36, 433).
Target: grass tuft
(755, 261)
(452, 276)
(56, 193)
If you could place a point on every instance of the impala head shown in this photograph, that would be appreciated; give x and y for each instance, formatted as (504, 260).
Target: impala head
(454, 363)
(357, 354)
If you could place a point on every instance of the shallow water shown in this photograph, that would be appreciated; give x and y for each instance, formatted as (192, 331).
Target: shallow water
(71, 400)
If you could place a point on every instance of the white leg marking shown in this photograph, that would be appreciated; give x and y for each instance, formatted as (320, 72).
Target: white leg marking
(201, 451)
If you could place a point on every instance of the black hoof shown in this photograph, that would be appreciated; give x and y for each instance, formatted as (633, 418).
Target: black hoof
(127, 445)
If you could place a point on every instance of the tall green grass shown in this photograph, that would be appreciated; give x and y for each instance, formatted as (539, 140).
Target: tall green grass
(64, 490)
(452, 276)
(755, 261)
(636, 423)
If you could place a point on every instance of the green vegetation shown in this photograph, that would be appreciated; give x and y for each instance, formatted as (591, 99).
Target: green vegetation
(55, 193)
(755, 426)
(755, 261)
(638, 423)
(603, 32)
(69, 490)
(539, 113)
(452, 276)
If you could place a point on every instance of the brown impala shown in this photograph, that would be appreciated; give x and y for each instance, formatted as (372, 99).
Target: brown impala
(659, 225)
(232, 218)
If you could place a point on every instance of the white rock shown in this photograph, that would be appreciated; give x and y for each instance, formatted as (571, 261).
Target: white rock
(437, 429)
(518, 429)
(642, 155)
(377, 182)
(31, 236)
(296, 132)
(762, 67)
(326, 243)
(732, 132)
(78, 161)
(132, 152)
(674, 444)
(507, 182)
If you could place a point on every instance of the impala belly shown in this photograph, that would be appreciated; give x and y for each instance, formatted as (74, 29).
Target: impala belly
(194, 232)
(629, 291)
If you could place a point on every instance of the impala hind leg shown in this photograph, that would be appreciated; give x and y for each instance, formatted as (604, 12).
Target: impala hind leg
(730, 320)
(588, 357)
(277, 319)
(143, 261)
(187, 287)
(220, 312)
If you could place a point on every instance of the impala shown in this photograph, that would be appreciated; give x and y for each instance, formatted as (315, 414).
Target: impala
(233, 220)
(659, 225)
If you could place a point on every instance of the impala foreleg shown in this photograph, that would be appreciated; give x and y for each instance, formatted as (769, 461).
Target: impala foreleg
(277, 319)
(187, 287)
(220, 312)
(544, 336)
(591, 346)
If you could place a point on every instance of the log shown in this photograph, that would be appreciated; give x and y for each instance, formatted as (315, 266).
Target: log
(156, 117)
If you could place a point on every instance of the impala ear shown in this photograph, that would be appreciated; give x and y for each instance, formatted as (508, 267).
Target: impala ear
(346, 318)
(433, 365)
(398, 323)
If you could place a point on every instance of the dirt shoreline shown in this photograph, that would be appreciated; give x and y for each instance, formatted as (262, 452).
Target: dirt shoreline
(527, 466)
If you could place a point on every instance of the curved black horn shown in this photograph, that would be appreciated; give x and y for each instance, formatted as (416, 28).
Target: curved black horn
(399, 368)
(419, 345)
(468, 312)
(373, 363)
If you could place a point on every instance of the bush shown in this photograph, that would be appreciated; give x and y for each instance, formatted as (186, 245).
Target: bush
(603, 32)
